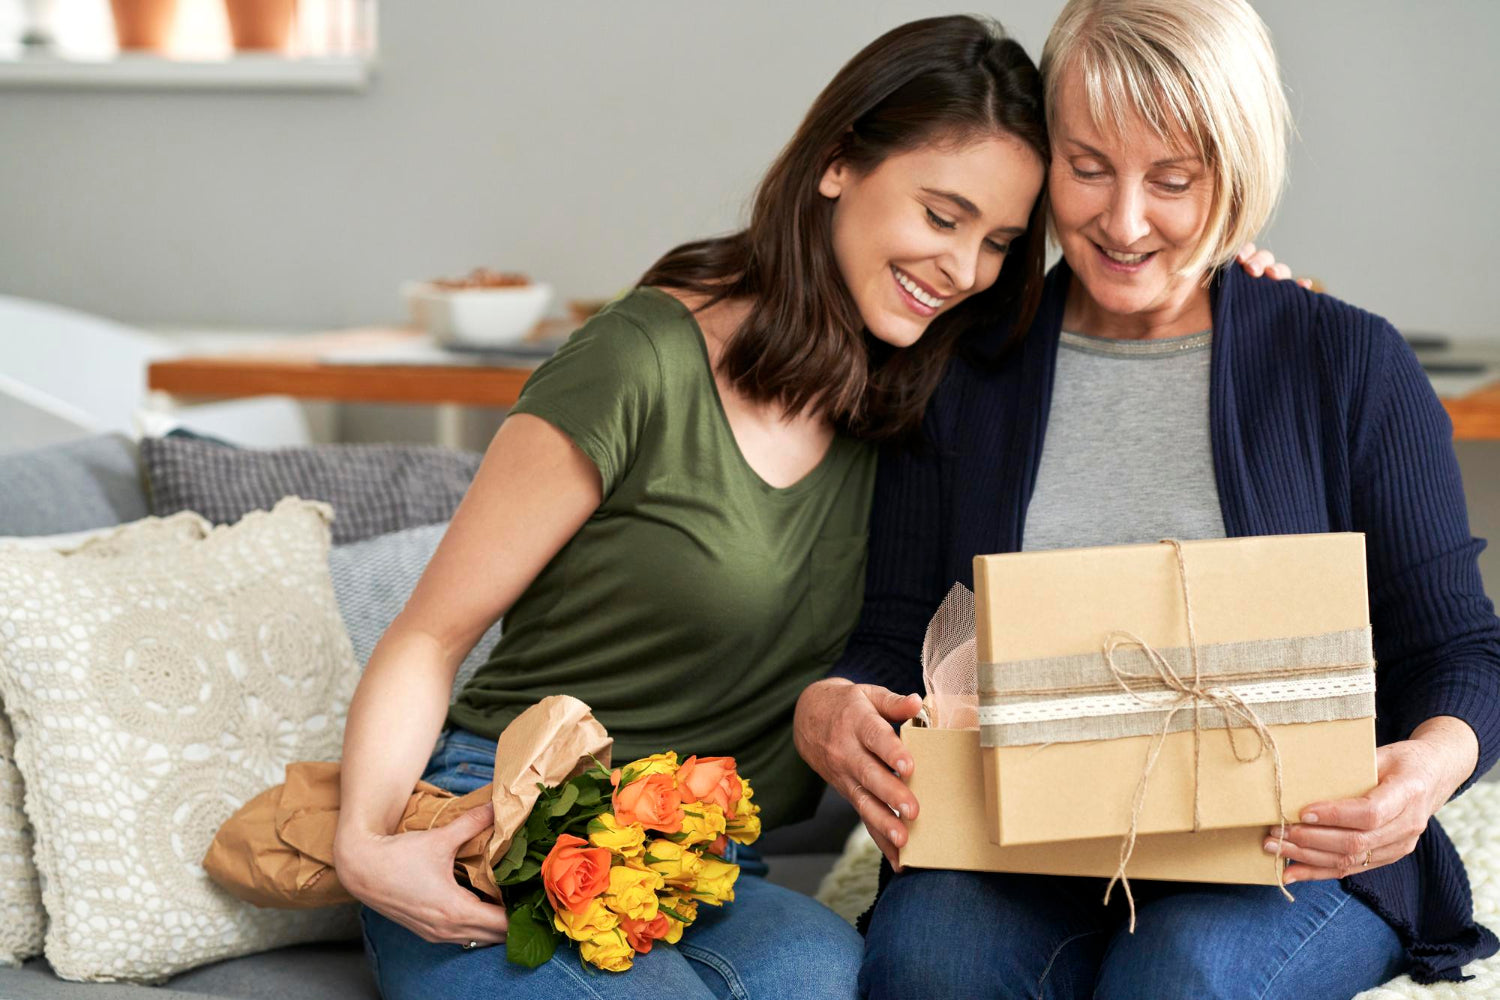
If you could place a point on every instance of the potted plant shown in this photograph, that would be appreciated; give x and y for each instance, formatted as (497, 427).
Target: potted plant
(261, 25)
(143, 24)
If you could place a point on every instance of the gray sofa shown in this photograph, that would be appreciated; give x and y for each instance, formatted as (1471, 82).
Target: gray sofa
(97, 482)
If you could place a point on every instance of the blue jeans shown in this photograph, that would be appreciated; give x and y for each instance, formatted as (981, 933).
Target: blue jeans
(770, 942)
(969, 934)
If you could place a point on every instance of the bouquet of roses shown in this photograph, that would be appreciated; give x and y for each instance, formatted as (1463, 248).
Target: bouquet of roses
(616, 860)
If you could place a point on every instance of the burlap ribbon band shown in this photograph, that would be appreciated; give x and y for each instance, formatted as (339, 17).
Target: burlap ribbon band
(1130, 688)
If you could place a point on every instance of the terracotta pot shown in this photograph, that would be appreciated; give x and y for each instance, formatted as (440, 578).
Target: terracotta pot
(261, 24)
(143, 24)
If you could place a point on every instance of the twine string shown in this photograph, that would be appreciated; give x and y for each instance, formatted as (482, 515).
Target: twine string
(1191, 694)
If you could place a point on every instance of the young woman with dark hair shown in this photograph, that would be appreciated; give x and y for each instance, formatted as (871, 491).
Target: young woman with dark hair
(673, 519)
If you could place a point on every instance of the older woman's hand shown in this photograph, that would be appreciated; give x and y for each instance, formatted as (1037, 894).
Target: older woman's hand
(1417, 776)
(843, 731)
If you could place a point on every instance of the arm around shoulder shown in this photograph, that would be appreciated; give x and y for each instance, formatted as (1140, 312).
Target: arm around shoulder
(1437, 640)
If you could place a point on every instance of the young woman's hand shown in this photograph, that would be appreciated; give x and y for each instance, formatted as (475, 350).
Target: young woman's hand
(408, 877)
(1262, 262)
(843, 731)
(1417, 776)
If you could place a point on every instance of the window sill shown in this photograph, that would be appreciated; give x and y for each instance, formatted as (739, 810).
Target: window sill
(141, 72)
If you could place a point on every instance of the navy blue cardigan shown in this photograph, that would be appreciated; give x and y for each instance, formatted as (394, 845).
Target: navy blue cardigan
(1321, 420)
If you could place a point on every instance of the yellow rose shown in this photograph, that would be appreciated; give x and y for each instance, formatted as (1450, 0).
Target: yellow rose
(747, 794)
(657, 763)
(680, 912)
(672, 862)
(702, 823)
(632, 892)
(744, 828)
(715, 882)
(595, 919)
(627, 841)
(609, 951)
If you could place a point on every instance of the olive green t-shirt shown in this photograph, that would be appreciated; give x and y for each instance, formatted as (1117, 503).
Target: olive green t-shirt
(697, 602)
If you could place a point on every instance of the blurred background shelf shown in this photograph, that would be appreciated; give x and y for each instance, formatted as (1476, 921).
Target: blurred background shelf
(144, 72)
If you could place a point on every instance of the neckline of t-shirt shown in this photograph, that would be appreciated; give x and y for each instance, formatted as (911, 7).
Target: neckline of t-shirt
(1140, 350)
(809, 480)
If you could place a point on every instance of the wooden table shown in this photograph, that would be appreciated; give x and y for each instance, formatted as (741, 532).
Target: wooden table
(1476, 417)
(298, 368)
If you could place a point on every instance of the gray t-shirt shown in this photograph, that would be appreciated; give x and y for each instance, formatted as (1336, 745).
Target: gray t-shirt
(1127, 455)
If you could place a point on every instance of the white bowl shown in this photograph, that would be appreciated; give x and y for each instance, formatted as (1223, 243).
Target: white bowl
(478, 317)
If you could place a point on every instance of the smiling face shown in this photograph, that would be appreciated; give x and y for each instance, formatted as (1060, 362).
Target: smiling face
(1129, 209)
(928, 228)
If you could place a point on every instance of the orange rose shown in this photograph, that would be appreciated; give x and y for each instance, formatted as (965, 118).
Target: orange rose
(652, 801)
(710, 779)
(574, 873)
(640, 933)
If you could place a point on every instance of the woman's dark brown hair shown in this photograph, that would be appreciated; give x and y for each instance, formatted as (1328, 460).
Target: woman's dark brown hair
(803, 343)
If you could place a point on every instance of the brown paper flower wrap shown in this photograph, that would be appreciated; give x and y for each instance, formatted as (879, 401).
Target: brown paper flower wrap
(277, 850)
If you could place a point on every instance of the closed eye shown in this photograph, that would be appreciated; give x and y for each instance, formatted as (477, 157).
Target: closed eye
(949, 224)
(939, 221)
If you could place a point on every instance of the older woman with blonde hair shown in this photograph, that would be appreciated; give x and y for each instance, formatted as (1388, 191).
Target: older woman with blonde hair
(1163, 393)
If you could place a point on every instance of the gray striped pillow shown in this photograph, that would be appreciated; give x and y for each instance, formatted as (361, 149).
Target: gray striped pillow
(374, 488)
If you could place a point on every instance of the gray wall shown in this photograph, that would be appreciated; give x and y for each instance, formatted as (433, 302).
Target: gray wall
(578, 141)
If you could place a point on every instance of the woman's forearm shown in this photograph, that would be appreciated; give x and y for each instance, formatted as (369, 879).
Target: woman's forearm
(394, 720)
(1459, 746)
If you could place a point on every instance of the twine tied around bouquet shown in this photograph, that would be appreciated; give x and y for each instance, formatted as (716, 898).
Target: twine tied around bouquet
(1192, 694)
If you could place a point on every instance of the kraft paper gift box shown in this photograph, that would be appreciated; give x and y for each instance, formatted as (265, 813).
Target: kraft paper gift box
(1148, 689)
(1070, 802)
(951, 828)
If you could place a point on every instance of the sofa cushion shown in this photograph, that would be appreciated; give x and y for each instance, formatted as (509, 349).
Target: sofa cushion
(152, 693)
(374, 577)
(332, 971)
(94, 482)
(374, 488)
(22, 919)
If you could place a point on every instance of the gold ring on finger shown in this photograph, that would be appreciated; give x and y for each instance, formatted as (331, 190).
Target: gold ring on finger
(1366, 862)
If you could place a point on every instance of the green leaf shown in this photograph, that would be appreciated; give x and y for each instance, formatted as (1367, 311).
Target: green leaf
(528, 870)
(530, 940)
(673, 914)
(565, 800)
(517, 847)
(512, 860)
(536, 823)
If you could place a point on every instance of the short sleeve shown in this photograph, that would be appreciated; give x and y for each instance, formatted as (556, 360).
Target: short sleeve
(600, 389)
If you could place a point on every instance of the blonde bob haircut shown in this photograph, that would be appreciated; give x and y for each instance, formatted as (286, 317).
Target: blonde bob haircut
(1200, 70)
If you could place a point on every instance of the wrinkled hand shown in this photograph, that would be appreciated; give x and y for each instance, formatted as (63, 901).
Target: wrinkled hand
(1262, 262)
(843, 731)
(1417, 776)
(408, 877)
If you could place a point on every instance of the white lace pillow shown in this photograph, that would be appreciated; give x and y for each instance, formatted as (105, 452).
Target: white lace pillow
(153, 691)
(22, 919)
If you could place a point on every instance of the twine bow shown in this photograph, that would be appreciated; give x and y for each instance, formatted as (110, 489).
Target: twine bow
(1192, 694)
